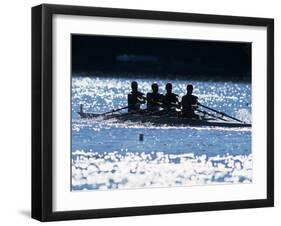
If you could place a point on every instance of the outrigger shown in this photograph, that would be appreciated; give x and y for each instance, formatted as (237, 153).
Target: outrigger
(206, 119)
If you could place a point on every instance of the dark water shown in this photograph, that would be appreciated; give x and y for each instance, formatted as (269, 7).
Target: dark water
(109, 155)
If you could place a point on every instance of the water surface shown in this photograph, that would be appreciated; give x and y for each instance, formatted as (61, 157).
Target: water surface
(109, 155)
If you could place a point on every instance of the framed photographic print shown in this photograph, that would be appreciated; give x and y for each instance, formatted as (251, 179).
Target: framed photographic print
(145, 112)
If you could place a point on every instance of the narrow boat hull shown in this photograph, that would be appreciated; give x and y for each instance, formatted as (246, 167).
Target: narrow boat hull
(167, 120)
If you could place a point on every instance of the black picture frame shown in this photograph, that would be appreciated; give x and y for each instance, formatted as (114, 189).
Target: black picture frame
(42, 107)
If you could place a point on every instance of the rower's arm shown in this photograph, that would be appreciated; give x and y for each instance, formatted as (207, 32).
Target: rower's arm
(143, 99)
(177, 103)
(196, 104)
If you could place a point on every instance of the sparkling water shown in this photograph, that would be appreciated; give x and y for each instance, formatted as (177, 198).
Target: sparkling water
(108, 154)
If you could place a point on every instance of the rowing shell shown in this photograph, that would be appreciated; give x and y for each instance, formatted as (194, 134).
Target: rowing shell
(166, 120)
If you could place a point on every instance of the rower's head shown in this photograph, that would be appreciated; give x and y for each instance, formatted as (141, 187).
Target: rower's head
(169, 87)
(134, 86)
(154, 87)
(189, 88)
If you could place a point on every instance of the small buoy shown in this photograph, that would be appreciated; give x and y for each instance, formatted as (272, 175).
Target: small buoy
(141, 137)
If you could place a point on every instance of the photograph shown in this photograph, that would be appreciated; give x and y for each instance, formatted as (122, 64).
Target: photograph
(153, 112)
(140, 112)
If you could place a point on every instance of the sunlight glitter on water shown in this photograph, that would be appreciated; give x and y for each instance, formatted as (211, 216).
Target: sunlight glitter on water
(107, 154)
(104, 94)
(141, 170)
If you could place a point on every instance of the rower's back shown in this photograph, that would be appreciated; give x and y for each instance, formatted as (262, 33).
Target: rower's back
(153, 101)
(170, 99)
(154, 98)
(135, 98)
(189, 102)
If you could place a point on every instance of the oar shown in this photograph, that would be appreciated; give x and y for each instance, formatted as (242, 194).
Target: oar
(114, 110)
(109, 112)
(222, 113)
(130, 113)
(207, 113)
(119, 109)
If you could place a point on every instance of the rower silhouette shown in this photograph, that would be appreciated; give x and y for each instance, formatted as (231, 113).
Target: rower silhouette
(154, 98)
(189, 103)
(135, 98)
(170, 100)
